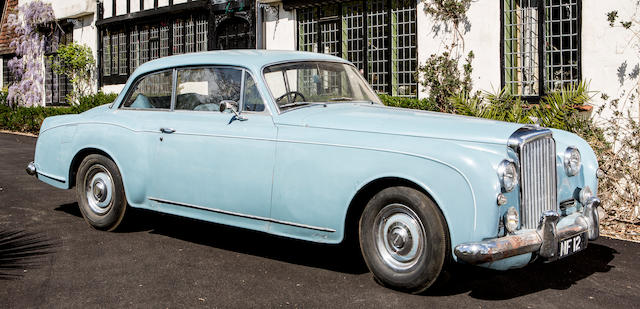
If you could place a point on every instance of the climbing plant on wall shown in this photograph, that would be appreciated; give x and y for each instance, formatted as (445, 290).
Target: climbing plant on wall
(441, 74)
(32, 23)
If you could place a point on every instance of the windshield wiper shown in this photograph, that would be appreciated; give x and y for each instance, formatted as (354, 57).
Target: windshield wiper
(294, 104)
(341, 99)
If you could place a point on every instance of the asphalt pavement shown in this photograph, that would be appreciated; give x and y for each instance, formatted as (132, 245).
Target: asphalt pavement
(49, 257)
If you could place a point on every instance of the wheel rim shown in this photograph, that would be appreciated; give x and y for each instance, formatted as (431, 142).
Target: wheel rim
(399, 236)
(99, 189)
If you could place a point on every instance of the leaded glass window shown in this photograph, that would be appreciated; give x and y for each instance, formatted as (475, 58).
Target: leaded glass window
(114, 53)
(378, 36)
(178, 35)
(134, 49)
(106, 55)
(154, 43)
(403, 48)
(561, 43)
(541, 46)
(201, 34)
(125, 49)
(122, 39)
(164, 41)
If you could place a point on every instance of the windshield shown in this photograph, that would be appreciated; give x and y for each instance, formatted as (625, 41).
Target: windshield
(307, 83)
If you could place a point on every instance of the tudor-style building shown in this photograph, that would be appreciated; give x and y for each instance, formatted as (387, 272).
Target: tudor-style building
(132, 32)
(531, 47)
(126, 33)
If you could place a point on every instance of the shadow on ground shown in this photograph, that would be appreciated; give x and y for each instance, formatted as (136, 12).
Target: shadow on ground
(488, 284)
(21, 250)
(478, 282)
(346, 259)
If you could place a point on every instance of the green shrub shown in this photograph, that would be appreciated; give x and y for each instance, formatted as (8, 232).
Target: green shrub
(29, 119)
(413, 103)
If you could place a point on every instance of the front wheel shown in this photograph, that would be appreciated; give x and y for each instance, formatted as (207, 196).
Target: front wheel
(100, 192)
(403, 239)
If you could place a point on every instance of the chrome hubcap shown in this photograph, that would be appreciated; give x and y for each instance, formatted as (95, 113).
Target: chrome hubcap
(99, 189)
(400, 236)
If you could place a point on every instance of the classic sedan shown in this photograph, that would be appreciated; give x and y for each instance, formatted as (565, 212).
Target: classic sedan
(298, 144)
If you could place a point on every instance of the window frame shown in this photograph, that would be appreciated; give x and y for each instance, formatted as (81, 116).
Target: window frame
(542, 34)
(244, 70)
(273, 98)
(146, 24)
(389, 63)
(137, 81)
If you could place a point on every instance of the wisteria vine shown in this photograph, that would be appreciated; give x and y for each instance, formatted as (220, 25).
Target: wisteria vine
(29, 44)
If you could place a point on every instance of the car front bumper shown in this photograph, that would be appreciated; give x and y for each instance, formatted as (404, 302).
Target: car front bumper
(543, 240)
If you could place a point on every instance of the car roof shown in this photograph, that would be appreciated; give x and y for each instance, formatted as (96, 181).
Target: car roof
(253, 59)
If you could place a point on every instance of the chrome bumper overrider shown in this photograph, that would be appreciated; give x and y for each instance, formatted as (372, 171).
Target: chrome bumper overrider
(543, 240)
(31, 169)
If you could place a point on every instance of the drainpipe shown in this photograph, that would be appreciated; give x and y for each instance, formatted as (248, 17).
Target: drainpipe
(259, 26)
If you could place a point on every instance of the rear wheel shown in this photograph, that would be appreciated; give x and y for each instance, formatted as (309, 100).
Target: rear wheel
(403, 239)
(100, 192)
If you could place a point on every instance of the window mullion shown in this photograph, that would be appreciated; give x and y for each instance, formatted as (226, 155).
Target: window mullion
(542, 52)
(365, 39)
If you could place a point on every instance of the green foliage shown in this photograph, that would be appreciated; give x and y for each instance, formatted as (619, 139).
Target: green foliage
(76, 62)
(422, 104)
(447, 10)
(3, 97)
(29, 119)
(556, 110)
(500, 106)
(442, 77)
(613, 16)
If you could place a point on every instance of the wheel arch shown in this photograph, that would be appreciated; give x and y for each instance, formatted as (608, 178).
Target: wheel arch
(366, 192)
(79, 156)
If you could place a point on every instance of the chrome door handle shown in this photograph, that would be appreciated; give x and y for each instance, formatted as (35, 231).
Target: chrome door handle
(167, 130)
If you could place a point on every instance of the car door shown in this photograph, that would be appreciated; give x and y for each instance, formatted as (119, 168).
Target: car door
(210, 164)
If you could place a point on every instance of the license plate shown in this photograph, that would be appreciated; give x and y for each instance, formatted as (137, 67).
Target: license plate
(571, 245)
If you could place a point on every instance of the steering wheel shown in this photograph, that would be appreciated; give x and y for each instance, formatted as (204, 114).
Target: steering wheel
(295, 94)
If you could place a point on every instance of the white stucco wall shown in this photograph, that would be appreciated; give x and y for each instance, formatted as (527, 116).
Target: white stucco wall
(121, 7)
(606, 50)
(135, 6)
(279, 34)
(482, 36)
(148, 4)
(112, 88)
(108, 9)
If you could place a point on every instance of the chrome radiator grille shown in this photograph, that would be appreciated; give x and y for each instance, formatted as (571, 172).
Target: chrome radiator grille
(538, 179)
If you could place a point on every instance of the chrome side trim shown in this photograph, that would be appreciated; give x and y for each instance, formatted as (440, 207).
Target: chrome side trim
(56, 178)
(231, 213)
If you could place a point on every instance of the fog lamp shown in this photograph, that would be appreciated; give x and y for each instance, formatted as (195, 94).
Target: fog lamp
(511, 220)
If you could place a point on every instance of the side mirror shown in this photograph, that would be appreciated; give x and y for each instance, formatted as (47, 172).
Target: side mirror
(232, 105)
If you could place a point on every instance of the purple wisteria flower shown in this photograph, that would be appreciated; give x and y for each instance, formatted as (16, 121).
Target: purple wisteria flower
(29, 46)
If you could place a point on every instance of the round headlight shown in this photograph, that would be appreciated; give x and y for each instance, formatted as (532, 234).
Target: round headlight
(572, 161)
(508, 175)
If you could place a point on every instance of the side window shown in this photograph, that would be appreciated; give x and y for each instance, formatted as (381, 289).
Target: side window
(252, 99)
(202, 89)
(152, 92)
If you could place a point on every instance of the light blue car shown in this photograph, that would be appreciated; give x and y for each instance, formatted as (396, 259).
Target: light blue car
(297, 144)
